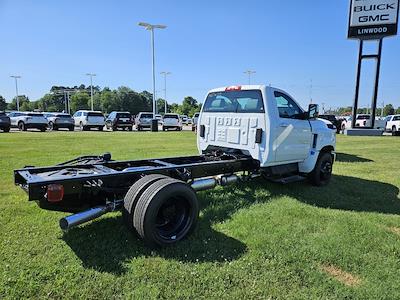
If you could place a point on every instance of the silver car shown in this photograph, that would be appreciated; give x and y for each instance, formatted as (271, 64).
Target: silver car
(60, 120)
(143, 120)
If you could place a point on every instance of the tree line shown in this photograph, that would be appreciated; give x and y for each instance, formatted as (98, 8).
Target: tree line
(126, 99)
(106, 100)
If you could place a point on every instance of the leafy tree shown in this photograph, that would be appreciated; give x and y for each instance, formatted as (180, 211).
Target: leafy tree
(398, 111)
(22, 99)
(3, 103)
(388, 110)
(79, 101)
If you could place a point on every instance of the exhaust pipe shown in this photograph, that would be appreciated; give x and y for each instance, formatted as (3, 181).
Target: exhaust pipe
(210, 183)
(204, 184)
(74, 220)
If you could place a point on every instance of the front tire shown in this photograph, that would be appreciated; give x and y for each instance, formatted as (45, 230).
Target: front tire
(322, 173)
(21, 126)
(394, 133)
(166, 212)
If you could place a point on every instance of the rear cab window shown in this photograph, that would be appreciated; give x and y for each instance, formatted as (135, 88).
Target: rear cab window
(146, 116)
(123, 115)
(245, 101)
(171, 117)
(95, 114)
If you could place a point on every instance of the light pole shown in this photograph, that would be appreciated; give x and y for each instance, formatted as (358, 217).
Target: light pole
(249, 73)
(91, 87)
(165, 89)
(16, 77)
(151, 28)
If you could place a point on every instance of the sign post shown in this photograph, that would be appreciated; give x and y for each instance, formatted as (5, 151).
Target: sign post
(371, 20)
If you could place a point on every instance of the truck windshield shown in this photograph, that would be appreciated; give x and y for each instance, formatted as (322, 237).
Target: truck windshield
(249, 101)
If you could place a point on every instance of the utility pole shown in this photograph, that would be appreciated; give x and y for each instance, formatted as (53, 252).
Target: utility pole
(16, 77)
(249, 73)
(91, 87)
(165, 73)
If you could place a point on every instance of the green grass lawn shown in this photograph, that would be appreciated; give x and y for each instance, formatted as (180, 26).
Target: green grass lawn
(256, 241)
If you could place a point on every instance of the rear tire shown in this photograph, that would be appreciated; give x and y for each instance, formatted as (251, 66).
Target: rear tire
(132, 196)
(130, 128)
(101, 128)
(6, 129)
(51, 126)
(72, 128)
(42, 129)
(166, 212)
(322, 173)
(163, 128)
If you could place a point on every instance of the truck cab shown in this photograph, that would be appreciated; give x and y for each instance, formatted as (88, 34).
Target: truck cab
(267, 124)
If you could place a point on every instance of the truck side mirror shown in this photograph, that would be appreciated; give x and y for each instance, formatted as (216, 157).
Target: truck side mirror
(313, 111)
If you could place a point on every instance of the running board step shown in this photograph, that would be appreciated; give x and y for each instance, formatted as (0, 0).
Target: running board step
(289, 179)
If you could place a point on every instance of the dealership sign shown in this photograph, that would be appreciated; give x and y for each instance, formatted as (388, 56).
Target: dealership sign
(373, 19)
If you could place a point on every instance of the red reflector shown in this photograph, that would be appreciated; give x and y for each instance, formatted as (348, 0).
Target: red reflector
(55, 192)
(233, 88)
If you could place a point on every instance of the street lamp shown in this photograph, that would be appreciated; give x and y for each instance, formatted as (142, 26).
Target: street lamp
(165, 89)
(16, 77)
(151, 28)
(249, 73)
(91, 87)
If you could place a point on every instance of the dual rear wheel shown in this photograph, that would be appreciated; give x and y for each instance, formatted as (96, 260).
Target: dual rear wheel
(162, 210)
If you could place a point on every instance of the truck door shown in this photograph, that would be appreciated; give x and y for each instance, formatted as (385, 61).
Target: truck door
(292, 134)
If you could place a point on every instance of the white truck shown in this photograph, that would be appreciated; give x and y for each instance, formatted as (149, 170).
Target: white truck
(244, 132)
(393, 124)
(363, 120)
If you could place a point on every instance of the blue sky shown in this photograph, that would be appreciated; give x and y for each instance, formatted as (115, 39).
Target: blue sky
(207, 44)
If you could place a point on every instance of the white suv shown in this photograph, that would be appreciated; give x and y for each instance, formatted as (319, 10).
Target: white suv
(87, 119)
(25, 120)
(172, 121)
(393, 124)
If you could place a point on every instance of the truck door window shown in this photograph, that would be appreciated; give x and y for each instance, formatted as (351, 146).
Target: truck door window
(287, 107)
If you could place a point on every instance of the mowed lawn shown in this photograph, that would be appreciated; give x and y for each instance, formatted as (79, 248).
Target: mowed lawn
(257, 240)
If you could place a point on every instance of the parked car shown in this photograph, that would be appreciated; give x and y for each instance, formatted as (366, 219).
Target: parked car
(190, 121)
(172, 121)
(119, 119)
(393, 124)
(332, 118)
(87, 119)
(143, 120)
(5, 123)
(195, 119)
(184, 119)
(59, 120)
(244, 132)
(363, 120)
(26, 120)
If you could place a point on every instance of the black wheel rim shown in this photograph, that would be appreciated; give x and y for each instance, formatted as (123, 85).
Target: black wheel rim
(326, 170)
(173, 218)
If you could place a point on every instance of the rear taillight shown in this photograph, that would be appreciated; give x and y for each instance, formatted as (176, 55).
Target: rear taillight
(55, 192)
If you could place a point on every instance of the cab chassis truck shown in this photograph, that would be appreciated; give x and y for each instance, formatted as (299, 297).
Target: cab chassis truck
(243, 132)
